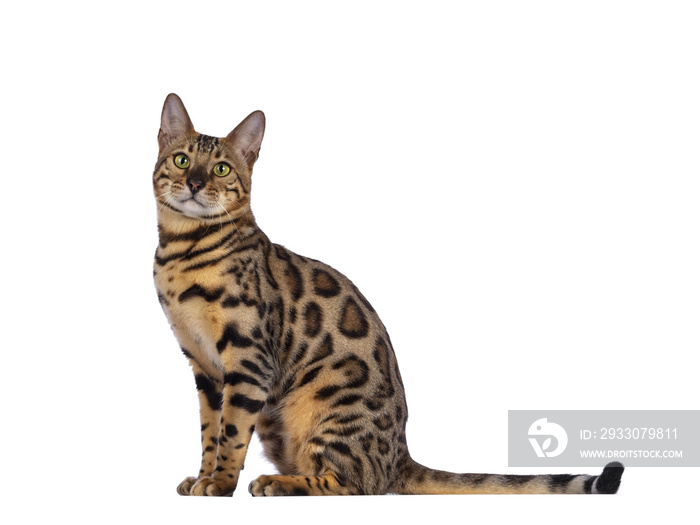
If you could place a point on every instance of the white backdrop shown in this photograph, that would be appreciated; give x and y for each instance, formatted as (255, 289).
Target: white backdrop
(513, 185)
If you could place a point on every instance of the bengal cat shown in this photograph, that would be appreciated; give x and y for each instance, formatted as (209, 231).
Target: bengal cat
(285, 345)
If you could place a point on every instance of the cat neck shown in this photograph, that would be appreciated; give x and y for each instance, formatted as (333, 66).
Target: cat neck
(173, 225)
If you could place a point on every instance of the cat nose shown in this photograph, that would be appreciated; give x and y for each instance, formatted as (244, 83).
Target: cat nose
(195, 185)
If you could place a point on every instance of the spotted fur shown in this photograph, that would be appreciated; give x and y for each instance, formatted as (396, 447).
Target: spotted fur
(284, 345)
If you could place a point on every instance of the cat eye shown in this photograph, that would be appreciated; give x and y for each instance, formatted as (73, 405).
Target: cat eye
(182, 161)
(221, 169)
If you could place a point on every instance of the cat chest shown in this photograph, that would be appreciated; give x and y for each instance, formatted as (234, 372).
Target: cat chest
(200, 305)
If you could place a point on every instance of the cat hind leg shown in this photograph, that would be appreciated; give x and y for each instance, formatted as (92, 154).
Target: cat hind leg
(328, 484)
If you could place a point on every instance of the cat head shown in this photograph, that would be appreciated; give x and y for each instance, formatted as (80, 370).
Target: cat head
(201, 177)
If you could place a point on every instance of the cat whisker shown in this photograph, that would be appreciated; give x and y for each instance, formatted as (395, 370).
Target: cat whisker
(169, 199)
(230, 219)
(221, 223)
(205, 231)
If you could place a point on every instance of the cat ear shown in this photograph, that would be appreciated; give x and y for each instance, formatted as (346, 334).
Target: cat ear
(175, 123)
(247, 137)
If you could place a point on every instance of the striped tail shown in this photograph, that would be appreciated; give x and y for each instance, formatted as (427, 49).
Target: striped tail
(417, 479)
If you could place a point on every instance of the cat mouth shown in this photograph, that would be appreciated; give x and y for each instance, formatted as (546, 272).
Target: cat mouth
(191, 205)
(191, 201)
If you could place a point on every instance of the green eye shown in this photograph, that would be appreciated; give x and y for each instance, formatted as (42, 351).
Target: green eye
(221, 169)
(181, 161)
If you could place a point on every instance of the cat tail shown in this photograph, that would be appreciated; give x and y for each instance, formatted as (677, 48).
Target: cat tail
(417, 479)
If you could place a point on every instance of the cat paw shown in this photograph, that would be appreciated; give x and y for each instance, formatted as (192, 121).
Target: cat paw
(186, 485)
(212, 487)
(263, 486)
(279, 486)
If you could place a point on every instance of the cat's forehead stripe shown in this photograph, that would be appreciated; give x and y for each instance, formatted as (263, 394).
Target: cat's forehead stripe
(207, 144)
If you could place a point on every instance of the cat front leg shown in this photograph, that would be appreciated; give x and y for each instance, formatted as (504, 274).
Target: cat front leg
(210, 392)
(245, 387)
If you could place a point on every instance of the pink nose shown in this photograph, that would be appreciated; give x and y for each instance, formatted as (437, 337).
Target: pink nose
(195, 185)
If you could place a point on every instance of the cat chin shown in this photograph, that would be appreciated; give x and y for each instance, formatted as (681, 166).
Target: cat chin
(194, 209)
